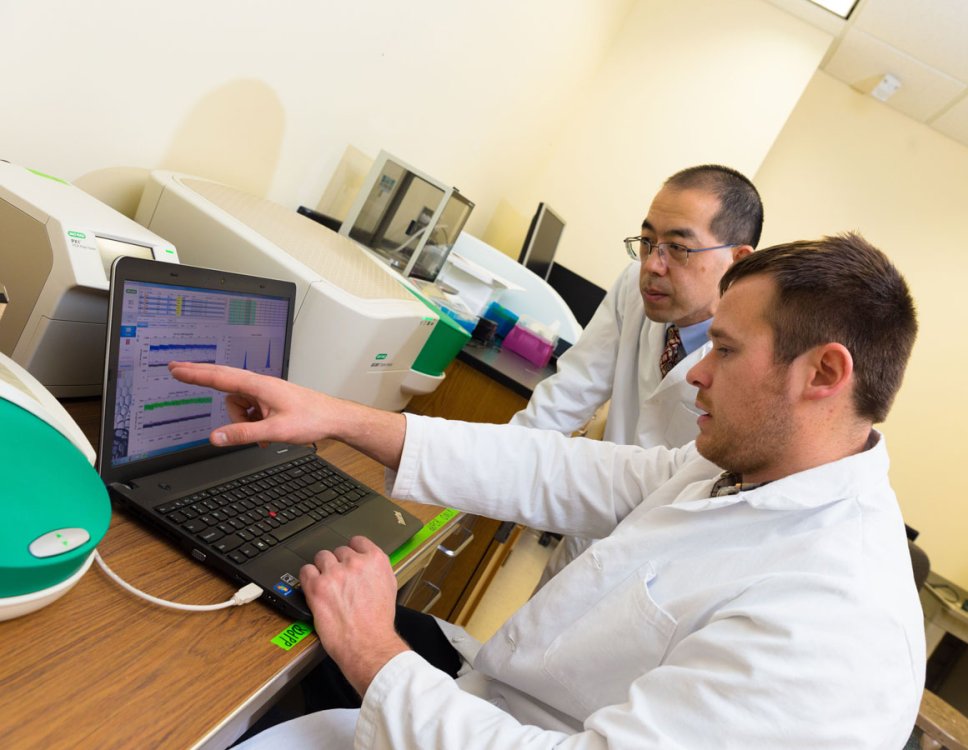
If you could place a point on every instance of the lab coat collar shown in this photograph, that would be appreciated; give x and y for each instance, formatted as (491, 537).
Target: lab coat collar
(813, 488)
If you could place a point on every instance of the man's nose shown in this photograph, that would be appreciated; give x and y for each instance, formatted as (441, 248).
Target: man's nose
(656, 262)
(698, 374)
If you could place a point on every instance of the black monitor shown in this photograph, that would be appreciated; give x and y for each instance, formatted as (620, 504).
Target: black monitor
(581, 295)
(538, 252)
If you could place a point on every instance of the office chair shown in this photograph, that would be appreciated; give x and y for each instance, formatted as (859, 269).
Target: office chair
(920, 564)
(939, 725)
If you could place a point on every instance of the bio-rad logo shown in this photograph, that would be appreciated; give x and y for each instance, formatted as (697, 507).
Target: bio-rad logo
(399, 516)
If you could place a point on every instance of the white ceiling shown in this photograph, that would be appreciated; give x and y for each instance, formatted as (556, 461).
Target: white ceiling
(924, 43)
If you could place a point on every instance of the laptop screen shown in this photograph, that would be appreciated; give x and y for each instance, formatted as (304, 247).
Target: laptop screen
(155, 415)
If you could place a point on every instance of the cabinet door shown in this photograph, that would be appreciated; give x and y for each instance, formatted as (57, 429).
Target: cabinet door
(446, 583)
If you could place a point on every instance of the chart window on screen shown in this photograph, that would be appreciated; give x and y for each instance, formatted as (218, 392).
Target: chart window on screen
(156, 414)
(538, 252)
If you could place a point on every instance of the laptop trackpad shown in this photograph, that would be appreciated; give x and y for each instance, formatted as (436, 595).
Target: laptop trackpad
(380, 521)
(311, 541)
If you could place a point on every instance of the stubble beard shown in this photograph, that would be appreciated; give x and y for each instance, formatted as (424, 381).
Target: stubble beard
(758, 444)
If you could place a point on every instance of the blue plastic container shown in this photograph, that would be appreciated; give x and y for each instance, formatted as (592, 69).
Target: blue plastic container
(502, 317)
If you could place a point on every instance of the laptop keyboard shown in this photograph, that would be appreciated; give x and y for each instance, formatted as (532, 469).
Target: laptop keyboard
(247, 516)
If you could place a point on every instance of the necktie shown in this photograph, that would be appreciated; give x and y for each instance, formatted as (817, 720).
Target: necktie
(673, 351)
(730, 483)
(727, 484)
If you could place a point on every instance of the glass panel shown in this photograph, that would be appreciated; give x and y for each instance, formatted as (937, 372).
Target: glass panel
(442, 237)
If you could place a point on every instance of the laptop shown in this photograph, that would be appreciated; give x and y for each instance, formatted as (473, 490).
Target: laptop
(255, 514)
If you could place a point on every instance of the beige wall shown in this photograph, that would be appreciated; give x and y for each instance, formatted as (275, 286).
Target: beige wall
(847, 162)
(687, 82)
(267, 97)
(587, 105)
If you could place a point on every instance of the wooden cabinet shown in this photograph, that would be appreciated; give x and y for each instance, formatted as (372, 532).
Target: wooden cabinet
(469, 395)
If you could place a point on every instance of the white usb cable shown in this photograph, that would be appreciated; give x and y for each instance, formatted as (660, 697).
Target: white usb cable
(248, 593)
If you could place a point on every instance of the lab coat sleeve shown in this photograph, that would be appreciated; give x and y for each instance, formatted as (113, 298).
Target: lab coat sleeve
(768, 670)
(539, 478)
(410, 704)
(583, 382)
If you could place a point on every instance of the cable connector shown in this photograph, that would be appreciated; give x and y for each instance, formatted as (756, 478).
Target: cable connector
(248, 593)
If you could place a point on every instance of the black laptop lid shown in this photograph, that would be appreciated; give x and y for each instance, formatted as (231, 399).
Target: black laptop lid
(160, 312)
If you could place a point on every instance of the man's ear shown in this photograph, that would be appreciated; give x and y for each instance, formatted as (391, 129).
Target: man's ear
(829, 370)
(741, 251)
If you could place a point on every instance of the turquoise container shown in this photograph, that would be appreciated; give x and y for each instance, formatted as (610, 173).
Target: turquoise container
(502, 317)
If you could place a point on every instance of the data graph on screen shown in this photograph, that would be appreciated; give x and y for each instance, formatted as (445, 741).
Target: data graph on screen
(157, 414)
(176, 411)
(159, 355)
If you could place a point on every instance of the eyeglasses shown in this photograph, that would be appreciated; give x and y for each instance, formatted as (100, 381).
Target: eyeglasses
(642, 247)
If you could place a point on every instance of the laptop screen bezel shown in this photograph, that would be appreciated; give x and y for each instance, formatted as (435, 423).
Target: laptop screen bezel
(127, 268)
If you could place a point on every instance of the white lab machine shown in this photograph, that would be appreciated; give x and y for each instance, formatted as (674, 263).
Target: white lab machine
(359, 333)
(56, 247)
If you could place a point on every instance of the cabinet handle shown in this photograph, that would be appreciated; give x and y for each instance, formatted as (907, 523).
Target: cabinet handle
(436, 596)
(460, 548)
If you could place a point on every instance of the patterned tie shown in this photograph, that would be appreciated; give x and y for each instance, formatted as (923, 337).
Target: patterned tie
(730, 483)
(727, 484)
(673, 351)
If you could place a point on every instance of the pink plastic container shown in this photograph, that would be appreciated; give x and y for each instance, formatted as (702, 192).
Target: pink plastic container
(529, 345)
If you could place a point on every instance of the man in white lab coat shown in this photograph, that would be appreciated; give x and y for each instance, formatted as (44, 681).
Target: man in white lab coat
(772, 605)
(702, 220)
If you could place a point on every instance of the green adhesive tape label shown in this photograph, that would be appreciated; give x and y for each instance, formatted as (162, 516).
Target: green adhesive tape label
(292, 635)
(47, 176)
(428, 529)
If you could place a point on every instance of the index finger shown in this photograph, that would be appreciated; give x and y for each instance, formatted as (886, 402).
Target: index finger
(220, 377)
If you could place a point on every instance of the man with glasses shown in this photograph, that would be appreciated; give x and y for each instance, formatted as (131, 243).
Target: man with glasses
(651, 326)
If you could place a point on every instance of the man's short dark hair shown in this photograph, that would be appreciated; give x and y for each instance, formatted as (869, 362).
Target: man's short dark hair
(740, 217)
(839, 289)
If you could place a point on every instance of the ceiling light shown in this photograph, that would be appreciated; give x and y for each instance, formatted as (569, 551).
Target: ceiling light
(841, 7)
(886, 87)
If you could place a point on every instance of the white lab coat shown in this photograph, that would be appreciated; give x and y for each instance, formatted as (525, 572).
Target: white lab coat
(785, 616)
(617, 358)
(782, 617)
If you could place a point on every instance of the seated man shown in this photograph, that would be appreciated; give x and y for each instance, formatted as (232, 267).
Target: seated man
(714, 214)
(752, 589)
(651, 327)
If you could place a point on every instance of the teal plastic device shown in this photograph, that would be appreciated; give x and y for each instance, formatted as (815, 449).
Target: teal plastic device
(444, 343)
(55, 507)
